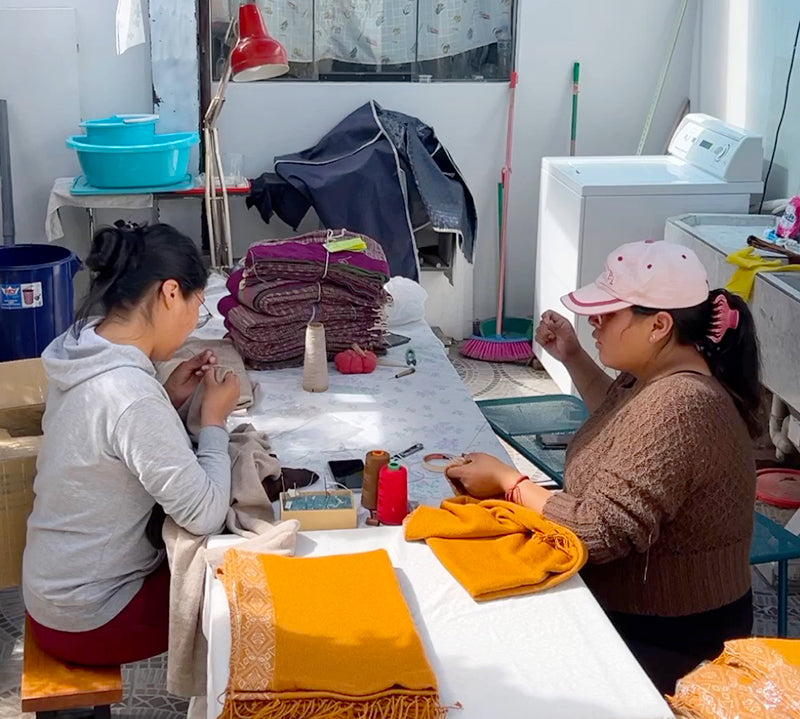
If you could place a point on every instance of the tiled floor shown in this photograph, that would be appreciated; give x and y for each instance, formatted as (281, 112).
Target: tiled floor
(145, 693)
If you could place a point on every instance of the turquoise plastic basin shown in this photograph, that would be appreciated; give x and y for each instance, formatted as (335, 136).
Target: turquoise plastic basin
(162, 161)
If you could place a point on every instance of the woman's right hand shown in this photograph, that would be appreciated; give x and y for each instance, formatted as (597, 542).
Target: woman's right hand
(219, 398)
(557, 336)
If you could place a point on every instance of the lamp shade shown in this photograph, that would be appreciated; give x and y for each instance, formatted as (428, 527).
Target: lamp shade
(257, 55)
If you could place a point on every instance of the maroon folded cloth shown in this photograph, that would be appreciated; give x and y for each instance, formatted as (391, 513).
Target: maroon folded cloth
(310, 249)
(283, 285)
(279, 298)
(288, 350)
(264, 327)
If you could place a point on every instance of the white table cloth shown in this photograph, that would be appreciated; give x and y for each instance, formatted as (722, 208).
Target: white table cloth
(552, 655)
(549, 655)
(359, 413)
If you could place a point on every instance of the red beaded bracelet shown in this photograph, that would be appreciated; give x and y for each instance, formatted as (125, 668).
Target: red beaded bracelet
(511, 491)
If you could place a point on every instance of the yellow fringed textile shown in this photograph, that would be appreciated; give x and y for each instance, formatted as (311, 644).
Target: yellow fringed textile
(751, 679)
(323, 637)
(496, 548)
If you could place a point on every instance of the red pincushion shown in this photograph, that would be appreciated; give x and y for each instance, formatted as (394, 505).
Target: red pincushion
(351, 362)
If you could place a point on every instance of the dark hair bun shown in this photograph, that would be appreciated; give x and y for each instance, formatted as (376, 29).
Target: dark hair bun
(115, 250)
(128, 261)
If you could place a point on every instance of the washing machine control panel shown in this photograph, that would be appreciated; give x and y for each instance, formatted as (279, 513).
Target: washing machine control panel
(722, 150)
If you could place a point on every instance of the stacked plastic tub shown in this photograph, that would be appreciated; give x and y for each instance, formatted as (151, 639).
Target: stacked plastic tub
(124, 152)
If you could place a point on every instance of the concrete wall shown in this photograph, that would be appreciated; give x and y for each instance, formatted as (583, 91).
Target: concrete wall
(268, 119)
(105, 83)
(745, 49)
(621, 46)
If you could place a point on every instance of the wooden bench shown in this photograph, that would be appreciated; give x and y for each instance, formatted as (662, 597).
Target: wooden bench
(51, 687)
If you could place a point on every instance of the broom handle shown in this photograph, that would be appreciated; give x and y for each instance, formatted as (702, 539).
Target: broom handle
(506, 177)
(573, 135)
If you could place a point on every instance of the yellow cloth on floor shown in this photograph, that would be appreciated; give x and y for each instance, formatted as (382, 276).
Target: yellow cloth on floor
(749, 264)
(496, 548)
(752, 678)
(323, 637)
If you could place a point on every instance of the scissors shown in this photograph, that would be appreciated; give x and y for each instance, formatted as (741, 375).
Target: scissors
(410, 362)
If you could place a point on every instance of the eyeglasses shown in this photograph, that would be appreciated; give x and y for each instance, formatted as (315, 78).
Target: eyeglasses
(204, 318)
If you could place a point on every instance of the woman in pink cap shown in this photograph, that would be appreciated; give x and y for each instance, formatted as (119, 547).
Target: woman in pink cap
(660, 481)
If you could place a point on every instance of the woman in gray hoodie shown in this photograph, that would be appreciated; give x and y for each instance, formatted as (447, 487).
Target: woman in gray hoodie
(96, 589)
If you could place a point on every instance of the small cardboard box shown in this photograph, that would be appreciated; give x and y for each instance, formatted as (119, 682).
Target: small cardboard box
(322, 517)
(23, 387)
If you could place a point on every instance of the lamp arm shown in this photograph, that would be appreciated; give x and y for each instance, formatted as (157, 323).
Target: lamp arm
(215, 106)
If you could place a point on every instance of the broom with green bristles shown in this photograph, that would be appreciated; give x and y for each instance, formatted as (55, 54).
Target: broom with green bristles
(503, 339)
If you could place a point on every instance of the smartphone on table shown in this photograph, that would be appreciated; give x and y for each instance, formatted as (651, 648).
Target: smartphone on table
(554, 440)
(390, 339)
(348, 472)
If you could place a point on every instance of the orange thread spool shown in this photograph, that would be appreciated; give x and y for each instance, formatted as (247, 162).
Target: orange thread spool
(392, 494)
(372, 467)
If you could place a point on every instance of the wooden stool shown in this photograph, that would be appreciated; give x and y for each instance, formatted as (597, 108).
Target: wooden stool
(50, 686)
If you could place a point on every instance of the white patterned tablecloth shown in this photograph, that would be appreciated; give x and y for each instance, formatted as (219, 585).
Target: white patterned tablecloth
(360, 413)
(552, 655)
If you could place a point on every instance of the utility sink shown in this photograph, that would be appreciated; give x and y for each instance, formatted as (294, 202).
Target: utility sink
(775, 302)
(789, 278)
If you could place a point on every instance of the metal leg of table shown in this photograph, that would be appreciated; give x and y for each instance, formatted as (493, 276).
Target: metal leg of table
(783, 596)
(90, 212)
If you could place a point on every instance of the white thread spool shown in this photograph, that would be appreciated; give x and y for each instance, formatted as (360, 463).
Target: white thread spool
(315, 364)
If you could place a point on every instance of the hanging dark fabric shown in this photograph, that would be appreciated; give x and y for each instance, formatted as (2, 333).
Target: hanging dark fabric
(379, 172)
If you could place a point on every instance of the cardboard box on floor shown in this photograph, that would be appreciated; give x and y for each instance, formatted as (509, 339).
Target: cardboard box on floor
(23, 387)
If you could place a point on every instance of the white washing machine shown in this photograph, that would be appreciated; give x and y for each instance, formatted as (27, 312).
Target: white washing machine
(590, 205)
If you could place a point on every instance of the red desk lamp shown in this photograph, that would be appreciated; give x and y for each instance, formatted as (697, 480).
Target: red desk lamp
(256, 56)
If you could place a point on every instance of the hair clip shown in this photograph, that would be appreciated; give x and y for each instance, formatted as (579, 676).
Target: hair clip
(723, 319)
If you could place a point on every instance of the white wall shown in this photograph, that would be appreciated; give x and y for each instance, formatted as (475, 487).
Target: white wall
(107, 83)
(745, 49)
(621, 46)
(263, 120)
(36, 135)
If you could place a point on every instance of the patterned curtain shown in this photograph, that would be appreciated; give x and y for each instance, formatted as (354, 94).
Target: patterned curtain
(385, 32)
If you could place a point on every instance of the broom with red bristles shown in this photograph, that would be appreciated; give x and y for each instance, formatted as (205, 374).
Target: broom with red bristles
(513, 337)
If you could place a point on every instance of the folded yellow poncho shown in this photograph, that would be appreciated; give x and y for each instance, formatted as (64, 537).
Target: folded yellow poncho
(752, 679)
(324, 637)
(496, 548)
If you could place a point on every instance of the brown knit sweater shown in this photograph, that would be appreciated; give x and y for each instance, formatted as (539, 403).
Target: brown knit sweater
(660, 485)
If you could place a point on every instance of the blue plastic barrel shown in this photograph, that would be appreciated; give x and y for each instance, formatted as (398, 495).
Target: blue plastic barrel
(36, 297)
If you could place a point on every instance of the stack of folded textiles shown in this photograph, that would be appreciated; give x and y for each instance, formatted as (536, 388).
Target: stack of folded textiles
(282, 285)
(752, 678)
(296, 655)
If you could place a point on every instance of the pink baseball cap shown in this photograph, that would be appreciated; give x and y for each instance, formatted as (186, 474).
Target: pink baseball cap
(655, 274)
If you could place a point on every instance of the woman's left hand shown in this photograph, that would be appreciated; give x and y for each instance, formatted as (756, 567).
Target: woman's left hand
(484, 476)
(187, 375)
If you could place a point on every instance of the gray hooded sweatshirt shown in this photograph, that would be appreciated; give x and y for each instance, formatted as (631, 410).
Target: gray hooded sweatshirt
(113, 446)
